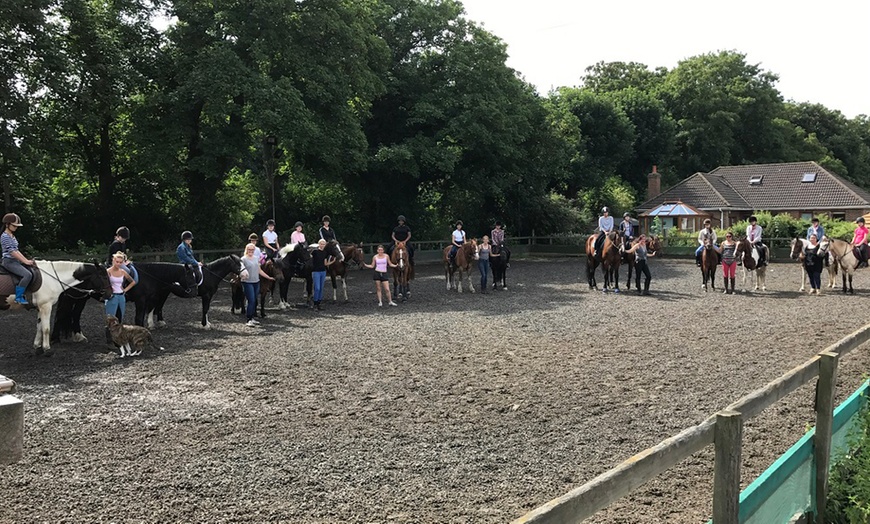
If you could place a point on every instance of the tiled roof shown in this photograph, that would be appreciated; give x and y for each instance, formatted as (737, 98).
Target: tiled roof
(778, 187)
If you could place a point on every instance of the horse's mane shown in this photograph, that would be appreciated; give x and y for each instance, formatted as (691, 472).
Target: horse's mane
(289, 248)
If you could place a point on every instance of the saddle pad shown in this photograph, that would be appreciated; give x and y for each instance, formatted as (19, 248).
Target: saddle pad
(7, 284)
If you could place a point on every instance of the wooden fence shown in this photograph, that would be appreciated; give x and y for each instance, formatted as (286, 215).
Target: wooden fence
(725, 431)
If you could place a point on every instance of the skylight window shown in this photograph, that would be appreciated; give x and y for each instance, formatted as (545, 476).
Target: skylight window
(808, 178)
(755, 180)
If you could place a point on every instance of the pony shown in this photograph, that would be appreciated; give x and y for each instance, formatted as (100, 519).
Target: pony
(57, 277)
(797, 247)
(464, 258)
(156, 281)
(747, 255)
(653, 245)
(609, 259)
(352, 254)
(844, 255)
(403, 271)
(270, 267)
(499, 265)
(709, 261)
(213, 274)
(292, 261)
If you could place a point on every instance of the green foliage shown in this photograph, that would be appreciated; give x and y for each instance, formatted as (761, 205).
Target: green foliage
(849, 482)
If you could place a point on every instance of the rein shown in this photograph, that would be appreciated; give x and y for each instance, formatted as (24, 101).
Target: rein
(65, 287)
(187, 290)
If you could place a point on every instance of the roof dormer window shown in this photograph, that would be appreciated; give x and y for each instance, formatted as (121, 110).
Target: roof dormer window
(755, 180)
(808, 178)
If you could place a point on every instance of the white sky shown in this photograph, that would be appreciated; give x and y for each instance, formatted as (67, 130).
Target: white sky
(819, 50)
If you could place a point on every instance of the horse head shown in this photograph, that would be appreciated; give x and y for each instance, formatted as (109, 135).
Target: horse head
(653, 244)
(334, 250)
(97, 278)
(353, 255)
(236, 261)
(400, 255)
(797, 247)
(273, 269)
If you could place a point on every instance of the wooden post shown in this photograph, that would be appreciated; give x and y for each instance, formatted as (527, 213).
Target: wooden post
(728, 440)
(825, 390)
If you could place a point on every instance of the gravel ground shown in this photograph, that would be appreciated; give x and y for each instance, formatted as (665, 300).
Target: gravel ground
(448, 408)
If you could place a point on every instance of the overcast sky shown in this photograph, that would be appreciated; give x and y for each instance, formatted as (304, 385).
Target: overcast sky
(819, 50)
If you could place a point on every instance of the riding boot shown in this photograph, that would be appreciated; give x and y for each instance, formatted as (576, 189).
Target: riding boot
(19, 296)
(646, 287)
(732, 279)
(317, 305)
(698, 260)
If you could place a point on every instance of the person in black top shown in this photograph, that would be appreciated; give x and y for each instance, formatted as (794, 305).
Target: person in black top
(326, 232)
(119, 244)
(320, 259)
(402, 233)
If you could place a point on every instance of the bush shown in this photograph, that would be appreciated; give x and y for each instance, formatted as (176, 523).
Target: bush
(849, 483)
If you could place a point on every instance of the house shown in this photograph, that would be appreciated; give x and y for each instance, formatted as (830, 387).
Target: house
(729, 194)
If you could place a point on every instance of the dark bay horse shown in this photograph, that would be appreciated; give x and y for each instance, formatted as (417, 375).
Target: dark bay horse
(402, 272)
(293, 258)
(709, 261)
(499, 261)
(653, 245)
(213, 274)
(608, 259)
(844, 254)
(78, 278)
(353, 255)
(271, 268)
(463, 260)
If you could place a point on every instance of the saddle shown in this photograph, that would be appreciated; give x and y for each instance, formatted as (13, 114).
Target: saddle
(860, 253)
(8, 282)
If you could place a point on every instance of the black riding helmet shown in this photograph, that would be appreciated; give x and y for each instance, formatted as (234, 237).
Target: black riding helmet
(123, 232)
(859, 220)
(753, 218)
(297, 224)
(458, 223)
(326, 219)
(270, 222)
(187, 235)
(401, 218)
(605, 209)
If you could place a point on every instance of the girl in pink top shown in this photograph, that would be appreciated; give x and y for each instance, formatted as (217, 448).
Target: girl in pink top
(860, 242)
(380, 262)
(297, 235)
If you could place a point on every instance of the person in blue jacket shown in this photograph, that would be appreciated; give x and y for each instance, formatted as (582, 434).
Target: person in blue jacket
(185, 254)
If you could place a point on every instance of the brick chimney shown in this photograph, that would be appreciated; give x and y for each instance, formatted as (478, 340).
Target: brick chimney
(653, 184)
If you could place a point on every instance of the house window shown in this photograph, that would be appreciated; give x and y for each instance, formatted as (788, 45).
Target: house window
(806, 216)
(755, 180)
(838, 216)
(808, 178)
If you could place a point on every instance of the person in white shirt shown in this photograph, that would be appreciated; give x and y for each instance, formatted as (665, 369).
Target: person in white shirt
(270, 240)
(753, 235)
(605, 225)
(457, 240)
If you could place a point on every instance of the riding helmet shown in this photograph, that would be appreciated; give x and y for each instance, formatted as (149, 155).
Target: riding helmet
(12, 219)
(123, 232)
(401, 218)
(187, 235)
(270, 222)
(297, 224)
(815, 219)
(498, 222)
(252, 236)
(626, 214)
(458, 223)
(753, 218)
(325, 219)
(859, 220)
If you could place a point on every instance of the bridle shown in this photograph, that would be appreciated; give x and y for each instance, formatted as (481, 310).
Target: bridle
(86, 293)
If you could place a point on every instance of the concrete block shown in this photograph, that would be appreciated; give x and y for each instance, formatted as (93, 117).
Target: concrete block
(11, 429)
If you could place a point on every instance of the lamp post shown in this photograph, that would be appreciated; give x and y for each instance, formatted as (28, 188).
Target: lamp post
(269, 164)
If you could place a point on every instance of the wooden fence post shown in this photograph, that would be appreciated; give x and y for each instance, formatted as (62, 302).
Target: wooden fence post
(728, 440)
(825, 390)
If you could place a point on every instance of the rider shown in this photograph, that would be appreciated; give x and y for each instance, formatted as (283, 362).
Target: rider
(326, 232)
(706, 233)
(258, 254)
(297, 235)
(817, 229)
(13, 261)
(270, 240)
(626, 230)
(605, 225)
(497, 234)
(859, 241)
(119, 244)
(753, 235)
(457, 240)
(185, 254)
(402, 233)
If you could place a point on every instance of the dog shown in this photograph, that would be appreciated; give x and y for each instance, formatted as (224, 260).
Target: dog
(131, 339)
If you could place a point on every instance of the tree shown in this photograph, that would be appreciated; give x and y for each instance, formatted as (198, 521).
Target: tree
(607, 77)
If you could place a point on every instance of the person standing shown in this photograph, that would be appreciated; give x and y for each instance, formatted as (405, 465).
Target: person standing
(13, 261)
(728, 251)
(817, 229)
(640, 264)
(753, 235)
(860, 242)
(320, 260)
(326, 232)
(380, 263)
(270, 240)
(813, 264)
(297, 236)
(118, 277)
(605, 225)
(251, 283)
(483, 251)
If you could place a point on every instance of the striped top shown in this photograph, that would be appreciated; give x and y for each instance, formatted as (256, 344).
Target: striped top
(9, 243)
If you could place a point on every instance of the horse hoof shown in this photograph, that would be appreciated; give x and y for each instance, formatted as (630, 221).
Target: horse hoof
(161, 323)
(616, 290)
(78, 337)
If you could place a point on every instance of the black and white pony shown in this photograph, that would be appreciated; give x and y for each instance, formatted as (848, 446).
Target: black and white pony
(213, 274)
(799, 245)
(58, 277)
(292, 259)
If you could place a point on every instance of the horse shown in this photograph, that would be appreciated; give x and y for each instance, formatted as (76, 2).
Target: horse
(499, 265)
(402, 272)
(709, 261)
(797, 247)
(292, 261)
(608, 258)
(333, 249)
(57, 277)
(844, 255)
(747, 254)
(156, 281)
(213, 274)
(653, 245)
(353, 254)
(464, 258)
(272, 268)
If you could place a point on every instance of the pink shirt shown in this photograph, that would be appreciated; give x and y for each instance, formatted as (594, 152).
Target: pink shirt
(297, 237)
(860, 235)
(381, 265)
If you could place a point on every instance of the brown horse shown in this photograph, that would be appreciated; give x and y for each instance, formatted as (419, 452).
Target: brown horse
(609, 259)
(653, 245)
(844, 254)
(353, 254)
(464, 259)
(709, 261)
(272, 269)
(403, 272)
(748, 256)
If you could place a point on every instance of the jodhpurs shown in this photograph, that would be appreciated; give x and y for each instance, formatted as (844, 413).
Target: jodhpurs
(729, 270)
(116, 306)
(17, 268)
